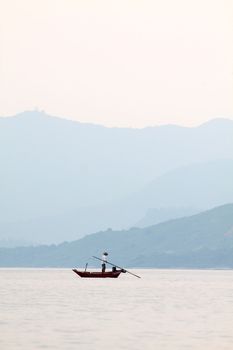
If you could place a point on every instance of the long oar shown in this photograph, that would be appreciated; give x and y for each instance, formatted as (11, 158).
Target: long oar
(117, 266)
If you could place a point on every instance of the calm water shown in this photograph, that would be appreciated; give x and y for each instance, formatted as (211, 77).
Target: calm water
(55, 309)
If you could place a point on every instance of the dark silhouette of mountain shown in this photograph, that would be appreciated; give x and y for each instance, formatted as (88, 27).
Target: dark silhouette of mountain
(62, 179)
(204, 240)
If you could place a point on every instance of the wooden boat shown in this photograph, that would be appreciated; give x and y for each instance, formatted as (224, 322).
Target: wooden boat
(91, 274)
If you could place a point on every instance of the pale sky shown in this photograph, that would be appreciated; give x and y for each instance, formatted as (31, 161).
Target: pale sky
(118, 63)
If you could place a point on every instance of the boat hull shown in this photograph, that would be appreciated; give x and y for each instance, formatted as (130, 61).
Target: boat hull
(106, 274)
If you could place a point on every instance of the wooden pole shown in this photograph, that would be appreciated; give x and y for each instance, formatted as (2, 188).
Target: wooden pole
(117, 266)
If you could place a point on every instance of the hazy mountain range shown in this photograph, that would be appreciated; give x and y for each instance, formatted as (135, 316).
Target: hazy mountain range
(62, 179)
(204, 240)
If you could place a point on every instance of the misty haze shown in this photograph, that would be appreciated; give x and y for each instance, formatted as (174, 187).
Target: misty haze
(63, 179)
(116, 175)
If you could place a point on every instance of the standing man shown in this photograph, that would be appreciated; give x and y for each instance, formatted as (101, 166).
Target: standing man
(104, 259)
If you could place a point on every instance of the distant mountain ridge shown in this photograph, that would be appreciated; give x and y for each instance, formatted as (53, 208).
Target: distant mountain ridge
(157, 215)
(182, 192)
(61, 179)
(204, 240)
(39, 114)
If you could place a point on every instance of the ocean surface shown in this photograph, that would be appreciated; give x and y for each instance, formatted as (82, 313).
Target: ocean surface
(165, 309)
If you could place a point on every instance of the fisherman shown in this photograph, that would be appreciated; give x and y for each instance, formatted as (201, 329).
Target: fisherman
(104, 259)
